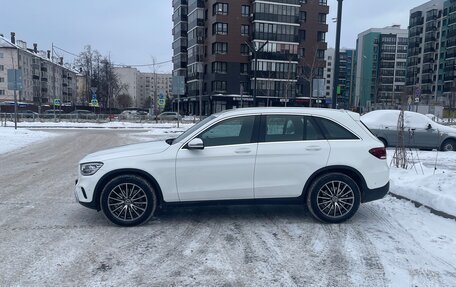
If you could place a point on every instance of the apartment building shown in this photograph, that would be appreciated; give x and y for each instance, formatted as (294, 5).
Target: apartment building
(447, 64)
(44, 79)
(381, 61)
(142, 87)
(424, 77)
(346, 84)
(232, 52)
(431, 62)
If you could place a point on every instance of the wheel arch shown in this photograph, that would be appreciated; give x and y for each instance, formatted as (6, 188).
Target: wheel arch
(112, 174)
(347, 170)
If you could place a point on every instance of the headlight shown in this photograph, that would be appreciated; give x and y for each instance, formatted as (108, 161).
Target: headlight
(90, 168)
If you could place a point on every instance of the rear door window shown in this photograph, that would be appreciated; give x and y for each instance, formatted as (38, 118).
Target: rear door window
(334, 131)
(281, 128)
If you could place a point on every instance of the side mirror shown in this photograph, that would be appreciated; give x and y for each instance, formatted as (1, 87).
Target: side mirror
(196, 143)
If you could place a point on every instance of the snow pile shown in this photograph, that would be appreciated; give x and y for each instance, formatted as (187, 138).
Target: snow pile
(429, 180)
(11, 139)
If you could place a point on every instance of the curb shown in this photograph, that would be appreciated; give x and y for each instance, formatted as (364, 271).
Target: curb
(418, 204)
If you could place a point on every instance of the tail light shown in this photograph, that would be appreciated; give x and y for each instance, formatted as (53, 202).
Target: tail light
(378, 152)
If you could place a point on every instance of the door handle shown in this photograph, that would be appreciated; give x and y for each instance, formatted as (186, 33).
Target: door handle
(313, 148)
(243, 150)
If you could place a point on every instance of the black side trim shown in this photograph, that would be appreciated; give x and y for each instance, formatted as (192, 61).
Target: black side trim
(377, 193)
(253, 201)
(90, 205)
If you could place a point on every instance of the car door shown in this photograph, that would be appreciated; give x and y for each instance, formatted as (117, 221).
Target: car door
(290, 149)
(224, 169)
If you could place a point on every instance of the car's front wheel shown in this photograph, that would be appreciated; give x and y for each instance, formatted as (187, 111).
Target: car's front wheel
(128, 200)
(333, 198)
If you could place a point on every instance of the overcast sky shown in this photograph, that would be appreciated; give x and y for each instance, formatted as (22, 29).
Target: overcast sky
(136, 31)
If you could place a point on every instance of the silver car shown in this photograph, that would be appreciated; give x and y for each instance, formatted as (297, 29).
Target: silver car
(420, 131)
(169, 116)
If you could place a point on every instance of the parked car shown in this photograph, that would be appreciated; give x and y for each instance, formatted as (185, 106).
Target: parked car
(420, 131)
(52, 111)
(27, 114)
(169, 116)
(82, 112)
(133, 114)
(325, 159)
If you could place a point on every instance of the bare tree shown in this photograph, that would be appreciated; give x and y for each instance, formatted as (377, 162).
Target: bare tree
(99, 72)
(309, 72)
(124, 100)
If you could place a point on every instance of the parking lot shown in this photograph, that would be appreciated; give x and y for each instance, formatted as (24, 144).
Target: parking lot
(46, 238)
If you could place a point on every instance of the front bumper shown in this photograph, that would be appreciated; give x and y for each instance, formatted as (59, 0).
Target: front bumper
(376, 193)
(84, 191)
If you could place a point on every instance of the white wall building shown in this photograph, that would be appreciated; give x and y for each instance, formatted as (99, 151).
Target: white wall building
(142, 87)
(43, 79)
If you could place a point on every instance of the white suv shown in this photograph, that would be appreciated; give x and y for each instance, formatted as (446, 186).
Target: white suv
(326, 159)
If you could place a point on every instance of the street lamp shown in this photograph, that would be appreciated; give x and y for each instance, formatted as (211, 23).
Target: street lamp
(337, 56)
(255, 52)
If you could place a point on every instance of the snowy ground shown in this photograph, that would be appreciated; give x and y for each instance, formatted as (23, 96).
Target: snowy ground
(48, 239)
(429, 179)
(11, 139)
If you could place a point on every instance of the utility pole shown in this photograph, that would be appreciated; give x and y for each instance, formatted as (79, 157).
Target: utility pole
(337, 56)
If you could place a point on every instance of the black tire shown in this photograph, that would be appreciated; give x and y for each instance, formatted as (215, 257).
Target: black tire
(448, 145)
(333, 198)
(128, 200)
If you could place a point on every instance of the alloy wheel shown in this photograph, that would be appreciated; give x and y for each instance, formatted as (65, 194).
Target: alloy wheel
(335, 199)
(127, 202)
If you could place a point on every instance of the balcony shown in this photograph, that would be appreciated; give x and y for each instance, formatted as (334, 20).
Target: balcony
(277, 56)
(177, 3)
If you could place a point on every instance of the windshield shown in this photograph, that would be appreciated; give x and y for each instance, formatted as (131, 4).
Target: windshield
(193, 128)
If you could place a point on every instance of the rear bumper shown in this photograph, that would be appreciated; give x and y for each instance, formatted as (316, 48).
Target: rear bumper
(376, 193)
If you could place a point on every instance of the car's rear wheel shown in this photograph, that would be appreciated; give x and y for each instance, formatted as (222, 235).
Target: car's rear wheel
(333, 198)
(449, 145)
(128, 200)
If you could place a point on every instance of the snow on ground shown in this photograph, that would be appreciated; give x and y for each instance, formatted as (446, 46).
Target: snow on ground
(11, 139)
(429, 179)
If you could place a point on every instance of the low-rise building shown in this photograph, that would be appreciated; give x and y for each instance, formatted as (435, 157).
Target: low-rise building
(43, 79)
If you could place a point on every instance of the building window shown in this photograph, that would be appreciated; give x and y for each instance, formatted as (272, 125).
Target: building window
(320, 54)
(219, 48)
(302, 35)
(244, 69)
(322, 18)
(220, 9)
(245, 30)
(1, 55)
(219, 28)
(219, 67)
(2, 92)
(2, 67)
(245, 50)
(219, 86)
(2, 80)
(323, 2)
(245, 10)
(321, 36)
(303, 16)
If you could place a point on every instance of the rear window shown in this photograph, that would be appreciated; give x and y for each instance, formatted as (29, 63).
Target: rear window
(334, 131)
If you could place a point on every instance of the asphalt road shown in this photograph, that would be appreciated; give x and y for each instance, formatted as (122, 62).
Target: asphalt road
(48, 239)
